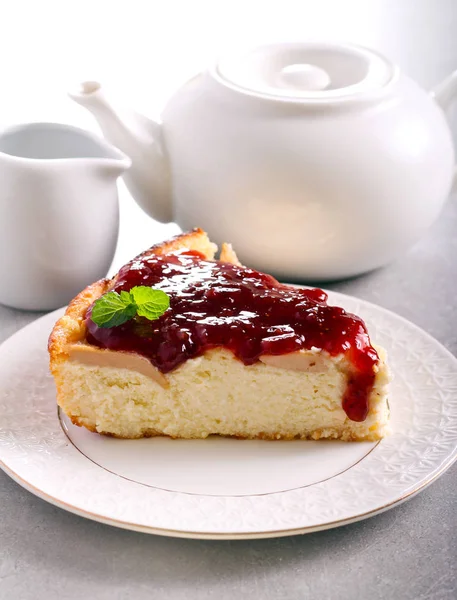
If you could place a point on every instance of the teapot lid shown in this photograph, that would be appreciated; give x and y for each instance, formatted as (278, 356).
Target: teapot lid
(306, 71)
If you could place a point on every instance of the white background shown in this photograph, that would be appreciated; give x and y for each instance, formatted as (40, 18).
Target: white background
(141, 51)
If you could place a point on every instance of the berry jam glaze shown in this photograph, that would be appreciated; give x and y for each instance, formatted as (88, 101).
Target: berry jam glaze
(216, 304)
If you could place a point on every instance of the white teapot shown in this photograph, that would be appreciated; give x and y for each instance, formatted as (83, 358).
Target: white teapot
(317, 161)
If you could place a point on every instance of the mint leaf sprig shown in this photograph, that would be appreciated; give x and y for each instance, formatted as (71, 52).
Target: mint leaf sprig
(114, 309)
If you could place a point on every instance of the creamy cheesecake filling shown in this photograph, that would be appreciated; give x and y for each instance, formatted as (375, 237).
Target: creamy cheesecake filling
(305, 361)
(217, 304)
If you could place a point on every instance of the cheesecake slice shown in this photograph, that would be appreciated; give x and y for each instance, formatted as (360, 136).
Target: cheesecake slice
(235, 354)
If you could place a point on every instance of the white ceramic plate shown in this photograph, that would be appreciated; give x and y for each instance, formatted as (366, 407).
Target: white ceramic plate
(226, 488)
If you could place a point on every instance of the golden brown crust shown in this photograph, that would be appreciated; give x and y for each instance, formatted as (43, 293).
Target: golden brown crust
(80, 423)
(228, 255)
(197, 239)
(70, 328)
(314, 435)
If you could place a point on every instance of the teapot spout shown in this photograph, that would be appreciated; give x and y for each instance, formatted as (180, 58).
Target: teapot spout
(148, 179)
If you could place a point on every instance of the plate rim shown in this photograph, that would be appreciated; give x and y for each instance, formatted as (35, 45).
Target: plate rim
(198, 535)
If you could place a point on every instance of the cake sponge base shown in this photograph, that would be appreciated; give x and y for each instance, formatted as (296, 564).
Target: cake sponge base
(217, 394)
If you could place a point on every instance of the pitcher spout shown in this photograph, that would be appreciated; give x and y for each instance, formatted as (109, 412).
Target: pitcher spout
(148, 179)
(115, 163)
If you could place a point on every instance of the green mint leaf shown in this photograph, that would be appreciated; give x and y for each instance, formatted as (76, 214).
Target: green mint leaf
(113, 309)
(126, 297)
(150, 303)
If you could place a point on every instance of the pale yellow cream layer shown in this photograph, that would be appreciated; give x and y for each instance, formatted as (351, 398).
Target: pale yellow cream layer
(311, 361)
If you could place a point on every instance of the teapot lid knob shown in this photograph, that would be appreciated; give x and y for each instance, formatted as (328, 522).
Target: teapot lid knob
(304, 77)
(305, 72)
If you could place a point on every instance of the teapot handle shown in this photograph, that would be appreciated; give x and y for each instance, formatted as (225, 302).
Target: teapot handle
(445, 94)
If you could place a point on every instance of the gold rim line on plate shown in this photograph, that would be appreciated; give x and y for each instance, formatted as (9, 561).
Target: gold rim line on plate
(214, 535)
(154, 487)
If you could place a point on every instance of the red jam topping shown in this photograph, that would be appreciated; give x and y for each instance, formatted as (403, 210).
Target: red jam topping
(216, 304)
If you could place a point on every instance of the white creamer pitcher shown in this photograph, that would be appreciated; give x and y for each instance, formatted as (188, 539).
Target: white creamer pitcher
(59, 215)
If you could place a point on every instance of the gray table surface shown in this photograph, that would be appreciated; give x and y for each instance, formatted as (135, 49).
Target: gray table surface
(409, 552)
